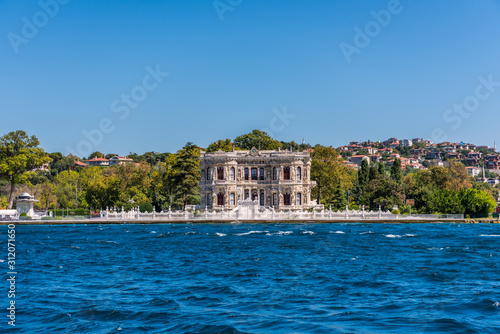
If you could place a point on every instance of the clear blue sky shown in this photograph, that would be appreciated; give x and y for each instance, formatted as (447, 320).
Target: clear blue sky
(226, 76)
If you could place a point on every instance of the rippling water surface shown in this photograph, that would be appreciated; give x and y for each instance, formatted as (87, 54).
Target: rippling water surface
(256, 278)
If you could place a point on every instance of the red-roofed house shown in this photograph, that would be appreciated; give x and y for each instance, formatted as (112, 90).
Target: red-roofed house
(80, 164)
(371, 150)
(492, 161)
(98, 162)
(385, 150)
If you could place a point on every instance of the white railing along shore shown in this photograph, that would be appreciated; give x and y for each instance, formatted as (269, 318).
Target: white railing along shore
(267, 214)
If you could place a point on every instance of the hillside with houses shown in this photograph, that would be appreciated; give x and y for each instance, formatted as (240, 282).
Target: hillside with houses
(482, 162)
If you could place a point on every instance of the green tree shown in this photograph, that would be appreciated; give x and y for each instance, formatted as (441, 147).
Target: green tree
(62, 163)
(477, 202)
(327, 169)
(95, 154)
(447, 201)
(95, 187)
(131, 184)
(458, 176)
(373, 173)
(396, 174)
(294, 146)
(110, 155)
(187, 175)
(384, 192)
(3, 203)
(339, 198)
(47, 195)
(19, 155)
(486, 187)
(381, 168)
(66, 188)
(223, 145)
(258, 139)
(362, 179)
(162, 183)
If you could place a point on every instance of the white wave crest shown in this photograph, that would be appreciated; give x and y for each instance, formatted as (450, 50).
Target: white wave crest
(307, 232)
(489, 235)
(220, 234)
(251, 232)
(280, 233)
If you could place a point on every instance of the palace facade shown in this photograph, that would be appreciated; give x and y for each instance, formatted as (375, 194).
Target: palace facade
(278, 179)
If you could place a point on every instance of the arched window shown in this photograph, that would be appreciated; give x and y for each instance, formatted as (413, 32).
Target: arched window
(298, 200)
(262, 199)
(254, 173)
(220, 199)
(275, 174)
(254, 196)
(275, 199)
(286, 173)
(220, 173)
(247, 175)
(261, 174)
(231, 199)
(286, 199)
(247, 194)
(299, 173)
(232, 174)
(209, 174)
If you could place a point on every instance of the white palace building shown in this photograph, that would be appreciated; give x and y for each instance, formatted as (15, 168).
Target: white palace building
(272, 179)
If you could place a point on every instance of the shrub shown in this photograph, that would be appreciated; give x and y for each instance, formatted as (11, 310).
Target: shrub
(23, 214)
(395, 212)
(146, 207)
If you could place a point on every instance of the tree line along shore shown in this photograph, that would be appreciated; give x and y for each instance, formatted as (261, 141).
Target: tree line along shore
(170, 180)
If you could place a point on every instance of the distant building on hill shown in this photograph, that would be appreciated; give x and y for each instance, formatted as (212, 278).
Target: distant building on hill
(98, 162)
(406, 142)
(473, 171)
(115, 161)
(492, 161)
(358, 159)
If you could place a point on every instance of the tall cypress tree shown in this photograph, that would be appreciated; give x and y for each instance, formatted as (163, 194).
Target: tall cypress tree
(373, 173)
(363, 173)
(339, 198)
(381, 168)
(187, 175)
(396, 174)
(361, 183)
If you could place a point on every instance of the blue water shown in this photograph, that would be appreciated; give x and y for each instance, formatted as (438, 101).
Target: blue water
(256, 278)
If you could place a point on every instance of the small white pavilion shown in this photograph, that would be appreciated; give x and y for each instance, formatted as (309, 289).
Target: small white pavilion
(25, 203)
